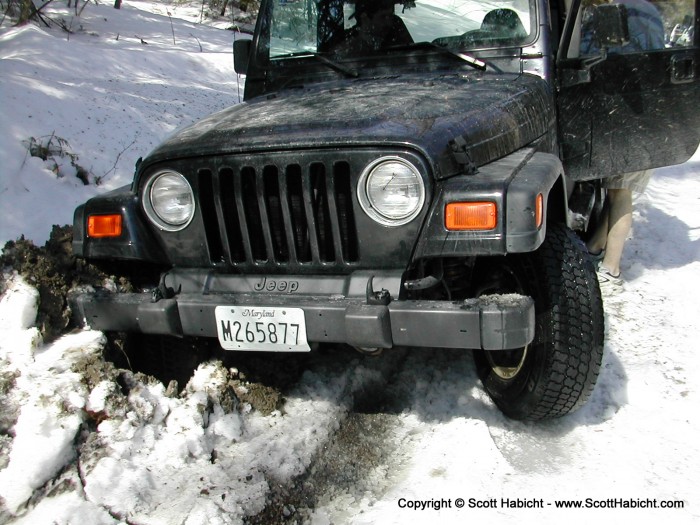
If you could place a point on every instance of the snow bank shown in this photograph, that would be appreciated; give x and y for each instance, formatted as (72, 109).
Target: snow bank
(49, 396)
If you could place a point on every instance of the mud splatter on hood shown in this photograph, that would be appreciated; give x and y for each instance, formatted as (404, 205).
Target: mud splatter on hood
(488, 115)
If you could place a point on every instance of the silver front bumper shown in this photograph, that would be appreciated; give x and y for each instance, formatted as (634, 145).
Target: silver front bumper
(337, 313)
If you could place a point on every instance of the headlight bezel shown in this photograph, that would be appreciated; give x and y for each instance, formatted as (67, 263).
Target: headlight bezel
(157, 217)
(365, 200)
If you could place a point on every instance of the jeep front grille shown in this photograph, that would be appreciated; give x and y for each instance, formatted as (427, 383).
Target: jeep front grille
(290, 215)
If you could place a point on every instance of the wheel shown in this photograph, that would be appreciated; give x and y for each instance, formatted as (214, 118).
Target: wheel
(556, 373)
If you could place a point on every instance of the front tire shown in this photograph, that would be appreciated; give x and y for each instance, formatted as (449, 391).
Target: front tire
(556, 373)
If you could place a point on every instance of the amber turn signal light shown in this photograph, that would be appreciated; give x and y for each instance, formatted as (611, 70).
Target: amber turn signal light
(104, 225)
(539, 210)
(470, 216)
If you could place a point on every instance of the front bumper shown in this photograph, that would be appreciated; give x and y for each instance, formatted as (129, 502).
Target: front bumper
(342, 310)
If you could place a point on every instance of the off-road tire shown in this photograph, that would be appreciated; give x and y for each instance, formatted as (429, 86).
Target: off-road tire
(561, 365)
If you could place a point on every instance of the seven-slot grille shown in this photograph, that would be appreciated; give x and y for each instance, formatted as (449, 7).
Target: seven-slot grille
(280, 214)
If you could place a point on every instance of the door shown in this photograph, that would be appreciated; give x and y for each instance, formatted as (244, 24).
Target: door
(630, 106)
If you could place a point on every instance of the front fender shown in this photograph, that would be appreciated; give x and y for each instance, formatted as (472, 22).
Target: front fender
(136, 242)
(512, 183)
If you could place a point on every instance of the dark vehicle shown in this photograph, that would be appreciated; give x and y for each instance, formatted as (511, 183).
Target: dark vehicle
(407, 173)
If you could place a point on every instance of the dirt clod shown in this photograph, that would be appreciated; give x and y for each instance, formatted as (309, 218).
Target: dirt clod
(53, 271)
(265, 399)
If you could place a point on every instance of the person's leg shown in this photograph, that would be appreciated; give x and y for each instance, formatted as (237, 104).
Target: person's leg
(596, 244)
(619, 226)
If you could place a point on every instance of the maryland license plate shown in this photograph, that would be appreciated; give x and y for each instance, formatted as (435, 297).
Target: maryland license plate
(258, 328)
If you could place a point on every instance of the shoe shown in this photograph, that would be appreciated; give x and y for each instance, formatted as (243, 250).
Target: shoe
(609, 282)
(597, 258)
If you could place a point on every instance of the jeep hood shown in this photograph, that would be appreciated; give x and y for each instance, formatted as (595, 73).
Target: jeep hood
(457, 121)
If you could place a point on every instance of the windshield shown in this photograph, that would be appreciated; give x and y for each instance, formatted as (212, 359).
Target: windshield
(346, 28)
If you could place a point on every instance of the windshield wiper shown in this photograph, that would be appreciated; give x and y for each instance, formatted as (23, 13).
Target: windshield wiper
(350, 73)
(472, 61)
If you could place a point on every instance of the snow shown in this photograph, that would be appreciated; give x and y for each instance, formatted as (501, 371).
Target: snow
(110, 96)
(125, 449)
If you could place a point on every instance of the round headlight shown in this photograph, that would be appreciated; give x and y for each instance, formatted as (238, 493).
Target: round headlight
(169, 201)
(391, 191)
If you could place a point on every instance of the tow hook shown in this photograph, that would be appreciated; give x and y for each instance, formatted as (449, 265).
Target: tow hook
(381, 297)
(162, 291)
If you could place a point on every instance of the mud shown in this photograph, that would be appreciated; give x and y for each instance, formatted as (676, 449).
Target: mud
(255, 381)
(8, 414)
(53, 271)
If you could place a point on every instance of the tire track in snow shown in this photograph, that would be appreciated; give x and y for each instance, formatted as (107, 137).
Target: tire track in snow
(418, 391)
(356, 460)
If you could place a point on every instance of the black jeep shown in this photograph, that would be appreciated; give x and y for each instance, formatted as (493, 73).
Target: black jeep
(405, 173)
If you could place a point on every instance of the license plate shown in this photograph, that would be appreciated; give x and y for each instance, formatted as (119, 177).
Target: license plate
(257, 328)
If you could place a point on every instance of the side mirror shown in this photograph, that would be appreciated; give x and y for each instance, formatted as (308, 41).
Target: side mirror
(241, 55)
(610, 27)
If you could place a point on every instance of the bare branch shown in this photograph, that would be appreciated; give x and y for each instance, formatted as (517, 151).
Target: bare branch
(198, 42)
(114, 167)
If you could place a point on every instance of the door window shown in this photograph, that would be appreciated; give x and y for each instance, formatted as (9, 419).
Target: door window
(652, 26)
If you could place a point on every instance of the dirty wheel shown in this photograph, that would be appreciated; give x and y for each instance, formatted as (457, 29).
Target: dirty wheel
(556, 373)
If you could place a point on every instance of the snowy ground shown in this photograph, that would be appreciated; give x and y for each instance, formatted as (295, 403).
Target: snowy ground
(82, 442)
(112, 90)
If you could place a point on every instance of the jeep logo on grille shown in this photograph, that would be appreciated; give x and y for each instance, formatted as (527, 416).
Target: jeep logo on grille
(271, 285)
